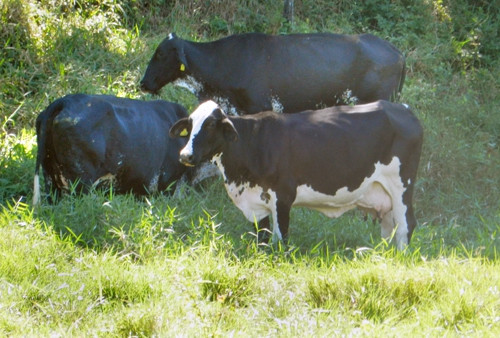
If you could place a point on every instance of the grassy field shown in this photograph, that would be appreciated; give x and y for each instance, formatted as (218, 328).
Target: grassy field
(108, 265)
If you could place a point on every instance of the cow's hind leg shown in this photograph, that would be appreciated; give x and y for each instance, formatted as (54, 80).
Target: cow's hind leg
(387, 226)
(264, 230)
(281, 217)
(394, 225)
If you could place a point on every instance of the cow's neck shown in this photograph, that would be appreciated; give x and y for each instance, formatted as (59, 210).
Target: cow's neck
(201, 59)
(239, 159)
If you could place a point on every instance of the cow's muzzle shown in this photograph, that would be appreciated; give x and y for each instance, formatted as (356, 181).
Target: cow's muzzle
(146, 88)
(186, 159)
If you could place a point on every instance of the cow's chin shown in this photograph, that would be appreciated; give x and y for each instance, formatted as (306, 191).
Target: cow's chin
(148, 89)
(187, 164)
(152, 92)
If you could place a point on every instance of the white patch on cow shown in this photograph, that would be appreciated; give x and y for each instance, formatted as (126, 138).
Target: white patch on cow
(364, 108)
(348, 98)
(170, 36)
(381, 195)
(153, 184)
(120, 158)
(36, 190)
(406, 106)
(78, 167)
(276, 104)
(109, 177)
(64, 181)
(253, 201)
(226, 105)
(198, 117)
(189, 83)
(67, 120)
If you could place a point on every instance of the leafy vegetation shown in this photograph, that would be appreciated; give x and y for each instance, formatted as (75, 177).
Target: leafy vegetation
(189, 264)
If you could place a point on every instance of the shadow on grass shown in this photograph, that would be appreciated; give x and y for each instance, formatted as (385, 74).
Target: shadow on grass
(204, 217)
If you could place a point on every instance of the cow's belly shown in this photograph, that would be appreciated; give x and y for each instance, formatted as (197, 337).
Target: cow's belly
(374, 195)
(254, 202)
(372, 198)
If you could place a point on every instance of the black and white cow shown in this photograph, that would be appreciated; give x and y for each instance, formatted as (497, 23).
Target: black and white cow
(95, 139)
(286, 73)
(330, 160)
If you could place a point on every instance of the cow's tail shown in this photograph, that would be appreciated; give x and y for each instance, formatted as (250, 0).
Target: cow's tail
(401, 80)
(42, 122)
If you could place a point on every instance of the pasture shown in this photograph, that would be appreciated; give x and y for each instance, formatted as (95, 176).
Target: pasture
(113, 265)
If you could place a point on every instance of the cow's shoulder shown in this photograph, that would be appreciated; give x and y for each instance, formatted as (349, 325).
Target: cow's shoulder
(170, 111)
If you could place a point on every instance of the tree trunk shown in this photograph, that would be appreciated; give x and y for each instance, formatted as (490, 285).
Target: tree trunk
(288, 11)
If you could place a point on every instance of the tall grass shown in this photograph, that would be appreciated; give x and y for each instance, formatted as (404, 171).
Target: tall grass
(209, 282)
(189, 264)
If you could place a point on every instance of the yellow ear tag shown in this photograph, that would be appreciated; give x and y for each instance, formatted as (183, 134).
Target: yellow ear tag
(183, 68)
(184, 132)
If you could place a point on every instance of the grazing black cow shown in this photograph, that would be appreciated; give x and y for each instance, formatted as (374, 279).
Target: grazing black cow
(330, 160)
(285, 73)
(95, 139)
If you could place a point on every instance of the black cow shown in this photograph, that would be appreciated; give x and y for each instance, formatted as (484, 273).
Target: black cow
(330, 160)
(95, 139)
(285, 73)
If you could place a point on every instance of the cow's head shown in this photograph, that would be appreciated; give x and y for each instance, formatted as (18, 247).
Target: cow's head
(209, 130)
(167, 64)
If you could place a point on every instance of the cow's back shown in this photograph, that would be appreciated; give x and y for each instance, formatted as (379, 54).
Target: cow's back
(348, 141)
(307, 71)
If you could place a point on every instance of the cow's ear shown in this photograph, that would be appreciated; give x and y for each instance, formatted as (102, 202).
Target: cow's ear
(180, 129)
(230, 133)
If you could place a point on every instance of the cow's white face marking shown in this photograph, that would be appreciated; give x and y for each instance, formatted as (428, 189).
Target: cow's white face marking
(189, 83)
(197, 118)
(170, 36)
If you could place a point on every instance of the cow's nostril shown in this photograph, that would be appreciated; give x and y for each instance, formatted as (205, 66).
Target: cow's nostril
(186, 159)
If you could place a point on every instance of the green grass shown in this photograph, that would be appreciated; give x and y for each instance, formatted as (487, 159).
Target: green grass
(108, 265)
(209, 282)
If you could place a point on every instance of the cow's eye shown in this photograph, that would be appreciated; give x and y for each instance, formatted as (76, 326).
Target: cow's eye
(210, 124)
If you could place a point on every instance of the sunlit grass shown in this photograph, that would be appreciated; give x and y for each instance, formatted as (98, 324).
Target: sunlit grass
(205, 281)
